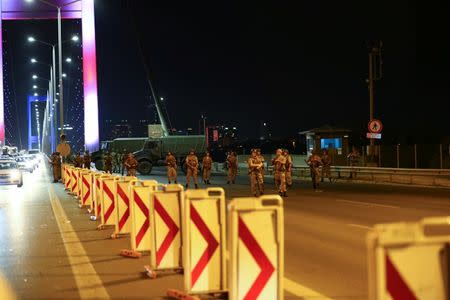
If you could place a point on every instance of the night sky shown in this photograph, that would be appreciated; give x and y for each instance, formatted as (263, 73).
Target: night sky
(295, 66)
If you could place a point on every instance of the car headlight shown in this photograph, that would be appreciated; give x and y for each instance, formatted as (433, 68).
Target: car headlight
(15, 175)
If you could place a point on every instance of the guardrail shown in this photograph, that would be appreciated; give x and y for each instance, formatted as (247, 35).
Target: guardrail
(428, 177)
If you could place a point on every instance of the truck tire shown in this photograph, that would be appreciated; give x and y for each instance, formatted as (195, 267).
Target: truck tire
(145, 167)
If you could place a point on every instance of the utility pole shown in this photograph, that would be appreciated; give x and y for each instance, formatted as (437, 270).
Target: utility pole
(375, 73)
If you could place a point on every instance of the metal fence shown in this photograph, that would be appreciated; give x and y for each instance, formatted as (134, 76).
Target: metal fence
(420, 156)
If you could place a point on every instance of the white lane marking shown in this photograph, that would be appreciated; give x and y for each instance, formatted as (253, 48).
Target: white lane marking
(360, 226)
(302, 291)
(367, 203)
(88, 282)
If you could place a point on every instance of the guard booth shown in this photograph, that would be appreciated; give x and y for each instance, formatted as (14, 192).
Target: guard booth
(334, 139)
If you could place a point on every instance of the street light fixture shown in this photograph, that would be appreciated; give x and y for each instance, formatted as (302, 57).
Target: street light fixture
(33, 60)
(35, 94)
(69, 60)
(75, 38)
(34, 76)
(35, 87)
(64, 75)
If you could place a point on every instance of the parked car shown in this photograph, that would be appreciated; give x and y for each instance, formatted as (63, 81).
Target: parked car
(10, 173)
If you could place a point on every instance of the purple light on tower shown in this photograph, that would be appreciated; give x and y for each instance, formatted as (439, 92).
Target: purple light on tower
(2, 112)
(91, 134)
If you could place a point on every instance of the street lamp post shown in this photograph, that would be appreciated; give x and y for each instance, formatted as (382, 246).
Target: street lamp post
(61, 103)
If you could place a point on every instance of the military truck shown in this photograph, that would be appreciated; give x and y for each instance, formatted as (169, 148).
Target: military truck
(155, 149)
(118, 146)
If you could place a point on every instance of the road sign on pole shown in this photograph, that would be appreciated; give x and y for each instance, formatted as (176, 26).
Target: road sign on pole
(375, 126)
(371, 135)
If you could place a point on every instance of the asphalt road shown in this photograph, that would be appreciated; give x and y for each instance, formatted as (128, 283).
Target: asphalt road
(49, 249)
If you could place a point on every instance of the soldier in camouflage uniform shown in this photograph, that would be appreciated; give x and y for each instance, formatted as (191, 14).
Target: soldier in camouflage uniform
(131, 165)
(55, 161)
(326, 168)
(289, 165)
(255, 171)
(192, 169)
(206, 166)
(87, 160)
(78, 161)
(171, 163)
(108, 163)
(279, 166)
(232, 164)
(314, 162)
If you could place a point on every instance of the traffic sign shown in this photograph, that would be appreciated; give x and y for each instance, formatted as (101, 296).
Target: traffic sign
(375, 126)
(371, 135)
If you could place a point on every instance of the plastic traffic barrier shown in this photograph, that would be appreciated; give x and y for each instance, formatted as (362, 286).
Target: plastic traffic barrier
(204, 241)
(68, 177)
(108, 202)
(409, 261)
(256, 236)
(63, 173)
(140, 218)
(166, 215)
(122, 216)
(95, 208)
(74, 181)
(86, 188)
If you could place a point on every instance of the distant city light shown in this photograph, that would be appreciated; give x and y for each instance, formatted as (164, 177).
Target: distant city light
(75, 38)
(68, 60)
(34, 76)
(33, 60)
(34, 86)
(35, 94)
(31, 39)
(63, 75)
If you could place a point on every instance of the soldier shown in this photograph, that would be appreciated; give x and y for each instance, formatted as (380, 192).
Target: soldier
(107, 163)
(55, 161)
(207, 165)
(78, 161)
(131, 165)
(124, 157)
(255, 171)
(289, 165)
(314, 162)
(276, 175)
(87, 160)
(232, 165)
(279, 167)
(117, 161)
(353, 158)
(326, 168)
(171, 163)
(261, 157)
(191, 168)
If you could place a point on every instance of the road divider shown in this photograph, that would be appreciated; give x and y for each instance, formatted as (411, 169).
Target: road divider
(166, 221)
(140, 218)
(122, 220)
(410, 261)
(256, 235)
